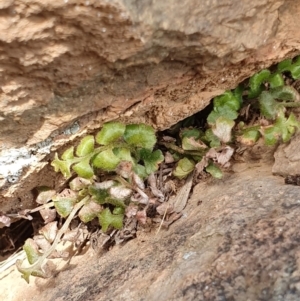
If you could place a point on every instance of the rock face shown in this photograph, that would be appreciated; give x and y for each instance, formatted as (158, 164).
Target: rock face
(287, 158)
(156, 61)
(68, 66)
(237, 240)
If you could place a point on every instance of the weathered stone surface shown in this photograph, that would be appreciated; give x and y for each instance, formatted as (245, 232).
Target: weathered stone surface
(62, 60)
(238, 240)
(68, 66)
(287, 158)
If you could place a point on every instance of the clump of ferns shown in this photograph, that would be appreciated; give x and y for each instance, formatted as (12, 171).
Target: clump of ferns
(212, 148)
(280, 124)
(127, 153)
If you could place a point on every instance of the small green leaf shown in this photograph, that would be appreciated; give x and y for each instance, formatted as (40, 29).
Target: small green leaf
(222, 129)
(212, 117)
(256, 81)
(286, 135)
(62, 166)
(271, 135)
(215, 171)
(250, 136)
(63, 203)
(68, 154)
(35, 270)
(115, 202)
(118, 210)
(89, 211)
(195, 133)
(83, 168)
(227, 112)
(110, 133)
(99, 195)
(106, 219)
(268, 105)
(86, 146)
(31, 251)
(79, 183)
(140, 135)
(227, 99)
(224, 111)
(123, 154)
(285, 93)
(213, 140)
(151, 159)
(295, 71)
(184, 167)
(106, 160)
(238, 94)
(189, 143)
(241, 125)
(280, 129)
(140, 170)
(190, 139)
(287, 127)
(287, 65)
(284, 65)
(276, 80)
(292, 123)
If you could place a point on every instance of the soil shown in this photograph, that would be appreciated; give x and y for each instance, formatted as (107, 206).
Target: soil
(236, 240)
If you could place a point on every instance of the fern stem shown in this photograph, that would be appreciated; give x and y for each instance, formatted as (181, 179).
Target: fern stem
(290, 104)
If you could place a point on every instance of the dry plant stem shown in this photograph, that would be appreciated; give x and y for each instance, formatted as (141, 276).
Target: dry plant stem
(23, 229)
(182, 151)
(45, 206)
(62, 230)
(173, 147)
(142, 194)
(182, 197)
(128, 185)
(66, 224)
(160, 178)
(164, 216)
(6, 264)
(122, 181)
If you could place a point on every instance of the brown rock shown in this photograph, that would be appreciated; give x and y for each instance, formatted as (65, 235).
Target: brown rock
(287, 158)
(66, 67)
(63, 60)
(236, 241)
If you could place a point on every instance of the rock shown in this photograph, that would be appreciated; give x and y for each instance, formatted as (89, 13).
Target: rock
(64, 60)
(287, 158)
(236, 241)
(68, 66)
(93, 61)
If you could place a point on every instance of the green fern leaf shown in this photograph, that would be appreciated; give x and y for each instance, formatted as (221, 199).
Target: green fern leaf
(111, 132)
(256, 81)
(86, 146)
(140, 135)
